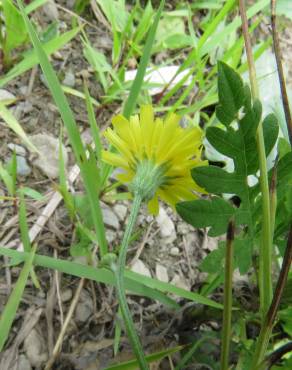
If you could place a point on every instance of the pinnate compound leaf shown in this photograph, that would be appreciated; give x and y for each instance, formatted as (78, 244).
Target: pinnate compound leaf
(237, 140)
(203, 213)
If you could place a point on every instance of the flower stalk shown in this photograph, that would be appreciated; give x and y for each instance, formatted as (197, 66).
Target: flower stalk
(120, 284)
(265, 250)
(227, 312)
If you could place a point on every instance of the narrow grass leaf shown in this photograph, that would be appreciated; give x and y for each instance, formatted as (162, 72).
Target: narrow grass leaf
(138, 82)
(23, 224)
(132, 364)
(7, 179)
(14, 125)
(88, 171)
(93, 124)
(11, 306)
(134, 282)
(34, 5)
(30, 58)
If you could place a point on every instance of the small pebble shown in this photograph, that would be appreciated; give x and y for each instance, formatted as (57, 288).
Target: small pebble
(23, 168)
(69, 79)
(84, 307)
(174, 251)
(19, 150)
(23, 363)
(66, 295)
(161, 273)
(110, 236)
(109, 217)
(121, 211)
(140, 267)
(48, 159)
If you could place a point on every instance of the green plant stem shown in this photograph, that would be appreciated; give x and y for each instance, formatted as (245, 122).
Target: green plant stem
(267, 326)
(227, 311)
(265, 250)
(120, 281)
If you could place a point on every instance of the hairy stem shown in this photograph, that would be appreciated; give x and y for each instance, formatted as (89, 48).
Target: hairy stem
(119, 273)
(265, 250)
(227, 312)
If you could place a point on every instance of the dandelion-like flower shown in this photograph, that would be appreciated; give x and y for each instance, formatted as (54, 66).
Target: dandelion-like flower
(156, 156)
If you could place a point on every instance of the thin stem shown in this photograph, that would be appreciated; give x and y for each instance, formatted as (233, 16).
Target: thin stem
(278, 57)
(265, 251)
(267, 326)
(227, 312)
(119, 273)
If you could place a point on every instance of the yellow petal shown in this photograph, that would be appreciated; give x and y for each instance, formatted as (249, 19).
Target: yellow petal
(122, 127)
(125, 177)
(114, 159)
(118, 143)
(146, 123)
(153, 206)
(136, 131)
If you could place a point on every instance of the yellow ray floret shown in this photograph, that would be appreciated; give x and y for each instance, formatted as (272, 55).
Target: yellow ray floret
(165, 144)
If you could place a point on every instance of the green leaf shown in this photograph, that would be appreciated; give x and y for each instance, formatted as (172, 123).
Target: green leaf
(231, 93)
(134, 282)
(132, 364)
(224, 182)
(15, 31)
(138, 82)
(30, 59)
(215, 213)
(271, 132)
(213, 263)
(88, 168)
(14, 125)
(10, 309)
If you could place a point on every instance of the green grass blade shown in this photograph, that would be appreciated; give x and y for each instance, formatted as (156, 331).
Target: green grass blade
(34, 5)
(11, 306)
(138, 81)
(7, 179)
(236, 23)
(13, 124)
(31, 59)
(86, 167)
(93, 124)
(136, 283)
(132, 364)
(23, 224)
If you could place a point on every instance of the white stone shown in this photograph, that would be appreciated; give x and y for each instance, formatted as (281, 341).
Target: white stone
(161, 273)
(166, 226)
(23, 363)
(19, 150)
(48, 159)
(110, 236)
(121, 211)
(23, 168)
(51, 10)
(174, 251)
(35, 349)
(69, 79)
(109, 217)
(6, 95)
(66, 295)
(141, 268)
(84, 307)
(180, 282)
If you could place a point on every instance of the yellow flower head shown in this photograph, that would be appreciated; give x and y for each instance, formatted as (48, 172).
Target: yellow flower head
(162, 146)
